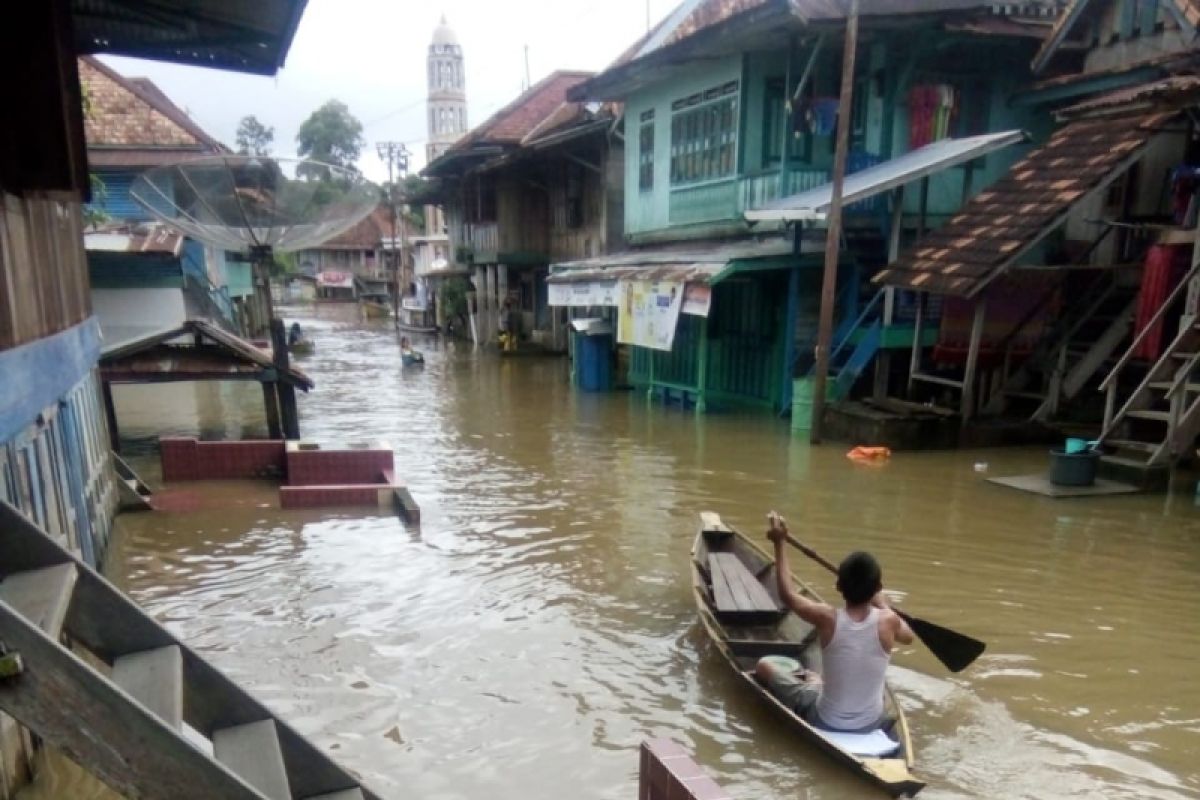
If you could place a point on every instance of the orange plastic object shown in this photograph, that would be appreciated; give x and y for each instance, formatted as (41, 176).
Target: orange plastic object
(869, 455)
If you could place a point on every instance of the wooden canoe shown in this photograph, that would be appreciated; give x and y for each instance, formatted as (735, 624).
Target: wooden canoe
(744, 637)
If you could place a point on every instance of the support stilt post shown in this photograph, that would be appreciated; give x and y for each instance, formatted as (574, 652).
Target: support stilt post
(110, 416)
(289, 416)
(967, 410)
(271, 405)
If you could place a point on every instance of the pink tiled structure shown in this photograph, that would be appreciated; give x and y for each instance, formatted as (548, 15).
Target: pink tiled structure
(315, 478)
(337, 467)
(192, 460)
(668, 773)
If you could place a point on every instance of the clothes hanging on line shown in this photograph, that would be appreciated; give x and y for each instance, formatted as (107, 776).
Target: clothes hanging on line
(932, 111)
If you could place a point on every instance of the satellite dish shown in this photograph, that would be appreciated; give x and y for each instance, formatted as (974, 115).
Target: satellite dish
(255, 204)
(249, 203)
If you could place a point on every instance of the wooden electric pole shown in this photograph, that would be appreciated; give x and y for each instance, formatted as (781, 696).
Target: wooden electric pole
(396, 156)
(834, 234)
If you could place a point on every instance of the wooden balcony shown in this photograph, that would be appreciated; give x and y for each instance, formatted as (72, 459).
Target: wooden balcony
(727, 199)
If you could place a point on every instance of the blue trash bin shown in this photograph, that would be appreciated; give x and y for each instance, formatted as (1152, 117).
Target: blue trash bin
(593, 364)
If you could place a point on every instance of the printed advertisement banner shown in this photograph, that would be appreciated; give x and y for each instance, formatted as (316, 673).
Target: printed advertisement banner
(648, 313)
(697, 299)
(584, 293)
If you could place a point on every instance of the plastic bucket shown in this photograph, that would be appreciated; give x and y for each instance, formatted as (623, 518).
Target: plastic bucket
(1073, 469)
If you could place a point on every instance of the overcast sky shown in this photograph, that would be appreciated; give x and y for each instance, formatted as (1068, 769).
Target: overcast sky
(371, 55)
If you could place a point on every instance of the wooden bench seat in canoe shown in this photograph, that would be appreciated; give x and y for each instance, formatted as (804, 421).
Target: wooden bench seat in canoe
(737, 594)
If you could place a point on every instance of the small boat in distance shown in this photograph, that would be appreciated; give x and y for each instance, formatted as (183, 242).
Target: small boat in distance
(408, 356)
(733, 584)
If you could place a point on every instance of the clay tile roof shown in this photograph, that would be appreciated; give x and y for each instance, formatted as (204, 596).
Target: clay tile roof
(366, 234)
(133, 114)
(998, 225)
(519, 118)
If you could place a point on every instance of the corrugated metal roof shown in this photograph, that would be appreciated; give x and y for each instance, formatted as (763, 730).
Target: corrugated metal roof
(194, 350)
(226, 34)
(1001, 223)
(690, 262)
(151, 238)
(812, 203)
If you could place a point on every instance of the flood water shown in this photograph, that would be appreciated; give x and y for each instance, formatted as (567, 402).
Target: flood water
(539, 624)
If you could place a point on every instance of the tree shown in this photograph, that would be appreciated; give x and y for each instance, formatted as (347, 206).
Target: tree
(331, 135)
(253, 138)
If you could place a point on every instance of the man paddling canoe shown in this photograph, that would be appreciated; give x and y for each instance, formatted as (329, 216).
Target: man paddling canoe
(856, 644)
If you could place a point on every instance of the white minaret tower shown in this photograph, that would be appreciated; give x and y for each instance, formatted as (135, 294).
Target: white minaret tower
(447, 91)
(447, 104)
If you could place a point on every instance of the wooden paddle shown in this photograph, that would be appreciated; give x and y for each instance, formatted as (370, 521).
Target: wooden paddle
(954, 649)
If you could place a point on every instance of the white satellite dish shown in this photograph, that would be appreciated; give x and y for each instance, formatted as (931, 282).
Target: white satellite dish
(256, 205)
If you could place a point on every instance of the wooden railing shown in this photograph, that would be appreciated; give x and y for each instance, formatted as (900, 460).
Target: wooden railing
(727, 199)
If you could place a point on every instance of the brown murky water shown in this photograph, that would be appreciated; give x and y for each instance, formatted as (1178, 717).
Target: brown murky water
(539, 625)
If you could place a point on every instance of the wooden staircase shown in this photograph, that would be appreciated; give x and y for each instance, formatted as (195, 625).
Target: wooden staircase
(139, 710)
(1075, 350)
(1154, 424)
(856, 341)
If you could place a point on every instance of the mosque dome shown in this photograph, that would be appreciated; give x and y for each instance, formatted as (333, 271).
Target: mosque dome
(443, 34)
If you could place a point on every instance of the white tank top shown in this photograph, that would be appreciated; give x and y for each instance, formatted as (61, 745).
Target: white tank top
(854, 666)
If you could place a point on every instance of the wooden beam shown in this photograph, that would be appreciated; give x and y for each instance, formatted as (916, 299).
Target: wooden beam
(967, 409)
(271, 406)
(914, 362)
(110, 416)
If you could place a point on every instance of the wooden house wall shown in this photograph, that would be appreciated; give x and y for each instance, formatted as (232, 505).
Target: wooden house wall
(43, 268)
(586, 237)
(522, 211)
(1121, 35)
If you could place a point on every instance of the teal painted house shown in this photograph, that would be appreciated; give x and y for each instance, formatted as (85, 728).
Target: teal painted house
(131, 127)
(731, 105)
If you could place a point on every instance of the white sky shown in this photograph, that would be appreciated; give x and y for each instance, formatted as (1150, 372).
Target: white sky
(371, 55)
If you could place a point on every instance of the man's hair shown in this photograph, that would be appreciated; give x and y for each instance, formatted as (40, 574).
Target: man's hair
(859, 577)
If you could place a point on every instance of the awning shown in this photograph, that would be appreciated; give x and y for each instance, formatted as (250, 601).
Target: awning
(594, 281)
(196, 350)
(1003, 222)
(811, 204)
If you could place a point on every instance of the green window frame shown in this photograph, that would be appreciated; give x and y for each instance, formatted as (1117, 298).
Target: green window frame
(704, 135)
(646, 151)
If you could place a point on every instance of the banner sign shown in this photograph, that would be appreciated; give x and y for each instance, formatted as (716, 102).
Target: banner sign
(583, 293)
(648, 313)
(697, 299)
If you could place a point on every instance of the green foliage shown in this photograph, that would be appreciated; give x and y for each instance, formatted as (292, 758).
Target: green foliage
(331, 135)
(94, 214)
(283, 264)
(253, 138)
(454, 297)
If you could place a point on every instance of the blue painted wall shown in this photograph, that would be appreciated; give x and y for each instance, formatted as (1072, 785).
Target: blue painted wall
(37, 374)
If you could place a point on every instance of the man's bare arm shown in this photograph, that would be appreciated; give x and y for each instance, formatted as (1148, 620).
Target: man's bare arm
(900, 630)
(819, 615)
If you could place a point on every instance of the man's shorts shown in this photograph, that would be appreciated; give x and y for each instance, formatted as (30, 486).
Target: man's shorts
(788, 683)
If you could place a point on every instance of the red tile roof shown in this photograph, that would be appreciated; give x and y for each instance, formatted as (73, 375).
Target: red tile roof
(132, 114)
(1171, 93)
(516, 120)
(1001, 223)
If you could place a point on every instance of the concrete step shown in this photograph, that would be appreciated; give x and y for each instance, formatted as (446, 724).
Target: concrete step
(1133, 444)
(1146, 413)
(155, 679)
(42, 596)
(1162, 386)
(252, 752)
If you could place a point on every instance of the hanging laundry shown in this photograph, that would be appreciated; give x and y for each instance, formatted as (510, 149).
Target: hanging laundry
(1163, 268)
(932, 111)
(817, 116)
(1185, 184)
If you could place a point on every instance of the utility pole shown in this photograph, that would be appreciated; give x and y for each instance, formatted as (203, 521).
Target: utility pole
(834, 234)
(396, 156)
